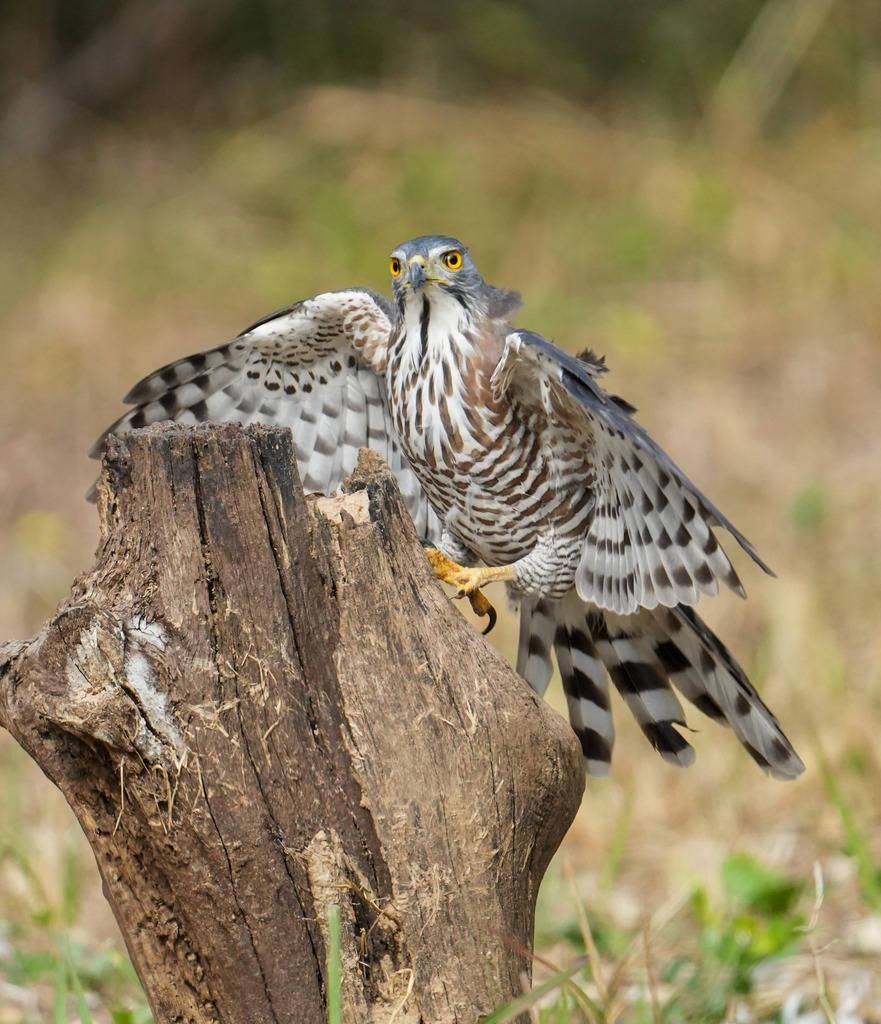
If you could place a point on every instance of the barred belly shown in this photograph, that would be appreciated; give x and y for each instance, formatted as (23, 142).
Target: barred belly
(482, 463)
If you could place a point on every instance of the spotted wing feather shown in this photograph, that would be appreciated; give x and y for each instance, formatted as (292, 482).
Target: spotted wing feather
(651, 538)
(317, 367)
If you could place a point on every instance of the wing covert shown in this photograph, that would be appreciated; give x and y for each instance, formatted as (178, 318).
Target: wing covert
(317, 367)
(650, 541)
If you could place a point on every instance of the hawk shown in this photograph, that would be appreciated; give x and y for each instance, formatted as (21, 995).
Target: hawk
(516, 466)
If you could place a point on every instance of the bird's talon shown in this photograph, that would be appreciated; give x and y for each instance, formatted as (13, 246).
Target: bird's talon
(481, 606)
(467, 582)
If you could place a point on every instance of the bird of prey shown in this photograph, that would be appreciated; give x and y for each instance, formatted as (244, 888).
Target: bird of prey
(516, 466)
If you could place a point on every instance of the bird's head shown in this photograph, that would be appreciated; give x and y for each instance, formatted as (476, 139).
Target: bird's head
(430, 264)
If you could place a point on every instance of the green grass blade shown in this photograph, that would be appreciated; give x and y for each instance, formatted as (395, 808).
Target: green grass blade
(71, 886)
(510, 1011)
(334, 968)
(59, 992)
(82, 1007)
(856, 840)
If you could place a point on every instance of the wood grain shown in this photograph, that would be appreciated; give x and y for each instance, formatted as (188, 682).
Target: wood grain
(260, 705)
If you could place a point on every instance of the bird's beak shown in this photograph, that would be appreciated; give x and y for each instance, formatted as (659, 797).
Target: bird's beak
(417, 272)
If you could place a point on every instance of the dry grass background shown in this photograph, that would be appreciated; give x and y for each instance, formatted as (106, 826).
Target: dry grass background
(737, 295)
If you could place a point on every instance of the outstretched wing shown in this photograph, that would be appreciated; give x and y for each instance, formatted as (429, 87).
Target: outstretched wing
(650, 541)
(316, 366)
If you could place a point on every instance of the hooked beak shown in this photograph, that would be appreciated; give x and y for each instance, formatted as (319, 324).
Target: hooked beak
(417, 272)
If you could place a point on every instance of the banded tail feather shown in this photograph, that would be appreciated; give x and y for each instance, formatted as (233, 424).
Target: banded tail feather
(585, 685)
(648, 657)
(643, 684)
(706, 673)
(538, 626)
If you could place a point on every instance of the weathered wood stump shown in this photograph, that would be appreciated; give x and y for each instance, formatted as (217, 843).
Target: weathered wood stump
(260, 706)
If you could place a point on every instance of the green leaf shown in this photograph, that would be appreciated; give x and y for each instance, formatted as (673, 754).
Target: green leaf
(755, 887)
(26, 968)
(125, 1015)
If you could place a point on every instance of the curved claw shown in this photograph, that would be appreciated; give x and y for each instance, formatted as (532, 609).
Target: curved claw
(481, 606)
(492, 621)
(465, 581)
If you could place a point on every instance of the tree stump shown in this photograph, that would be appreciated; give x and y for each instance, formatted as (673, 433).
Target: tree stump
(261, 706)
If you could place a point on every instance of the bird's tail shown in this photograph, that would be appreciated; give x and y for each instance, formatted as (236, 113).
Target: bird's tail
(644, 654)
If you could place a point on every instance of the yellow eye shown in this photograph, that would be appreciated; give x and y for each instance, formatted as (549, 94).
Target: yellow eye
(452, 260)
(394, 266)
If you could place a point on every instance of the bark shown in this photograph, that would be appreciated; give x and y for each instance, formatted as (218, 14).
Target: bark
(260, 706)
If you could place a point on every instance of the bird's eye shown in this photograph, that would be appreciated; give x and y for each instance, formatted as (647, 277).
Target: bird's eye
(394, 266)
(452, 260)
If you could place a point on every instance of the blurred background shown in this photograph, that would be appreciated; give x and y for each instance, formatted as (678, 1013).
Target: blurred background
(692, 188)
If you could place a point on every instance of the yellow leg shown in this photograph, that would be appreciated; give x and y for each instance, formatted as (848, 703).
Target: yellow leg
(468, 581)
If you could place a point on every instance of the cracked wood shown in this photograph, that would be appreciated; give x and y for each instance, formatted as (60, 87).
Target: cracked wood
(260, 705)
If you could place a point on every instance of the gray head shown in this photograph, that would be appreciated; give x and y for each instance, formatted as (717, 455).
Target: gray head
(431, 262)
(433, 267)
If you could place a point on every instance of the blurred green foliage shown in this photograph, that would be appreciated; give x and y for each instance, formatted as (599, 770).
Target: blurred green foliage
(201, 58)
(748, 926)
(857, 840)
(755, 923)
(810, 508)
(582, 148)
